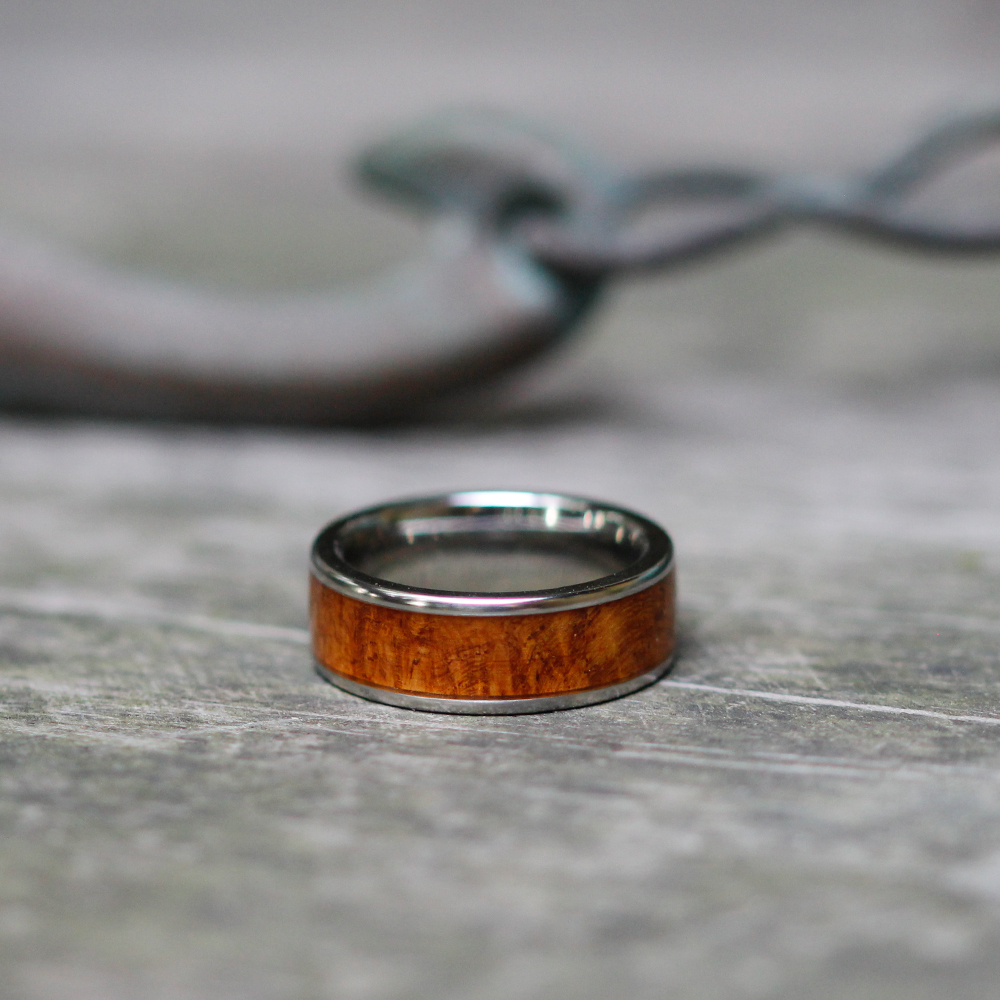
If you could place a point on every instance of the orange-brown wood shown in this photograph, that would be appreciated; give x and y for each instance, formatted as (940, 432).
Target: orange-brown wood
(513, 656)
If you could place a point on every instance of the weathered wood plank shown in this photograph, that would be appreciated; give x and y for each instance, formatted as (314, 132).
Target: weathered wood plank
(807, 806)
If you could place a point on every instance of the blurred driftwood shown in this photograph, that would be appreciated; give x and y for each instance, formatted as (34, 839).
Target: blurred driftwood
(526, 231)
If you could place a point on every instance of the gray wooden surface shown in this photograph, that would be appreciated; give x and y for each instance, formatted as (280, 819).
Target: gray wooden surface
(807, 807)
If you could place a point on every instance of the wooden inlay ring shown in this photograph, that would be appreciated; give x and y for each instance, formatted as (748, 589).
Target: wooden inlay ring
(492, 602)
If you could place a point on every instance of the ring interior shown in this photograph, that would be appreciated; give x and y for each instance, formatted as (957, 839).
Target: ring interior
(512, 548)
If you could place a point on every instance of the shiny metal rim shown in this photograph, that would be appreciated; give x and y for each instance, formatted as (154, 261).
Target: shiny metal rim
(494, 706)
(552, 516)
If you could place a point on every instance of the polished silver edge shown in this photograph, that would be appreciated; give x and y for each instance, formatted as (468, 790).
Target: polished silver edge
(493, 706)
(353, 583)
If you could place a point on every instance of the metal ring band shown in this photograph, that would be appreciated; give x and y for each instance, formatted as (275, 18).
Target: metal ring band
(571, 602)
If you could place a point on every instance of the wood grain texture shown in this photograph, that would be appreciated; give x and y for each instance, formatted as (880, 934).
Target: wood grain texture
(187, 810)
(493, 657)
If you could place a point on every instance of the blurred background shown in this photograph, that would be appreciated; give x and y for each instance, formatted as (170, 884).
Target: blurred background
(212, 141)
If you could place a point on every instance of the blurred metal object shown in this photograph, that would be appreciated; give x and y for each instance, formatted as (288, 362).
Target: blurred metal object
(526, 230)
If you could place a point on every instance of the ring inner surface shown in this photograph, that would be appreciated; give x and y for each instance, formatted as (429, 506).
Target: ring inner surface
(491, 551)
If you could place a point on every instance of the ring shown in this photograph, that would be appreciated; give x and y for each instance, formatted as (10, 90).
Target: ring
(492, 602)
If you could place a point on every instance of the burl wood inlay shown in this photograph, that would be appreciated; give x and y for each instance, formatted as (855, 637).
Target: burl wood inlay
(513, 656)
